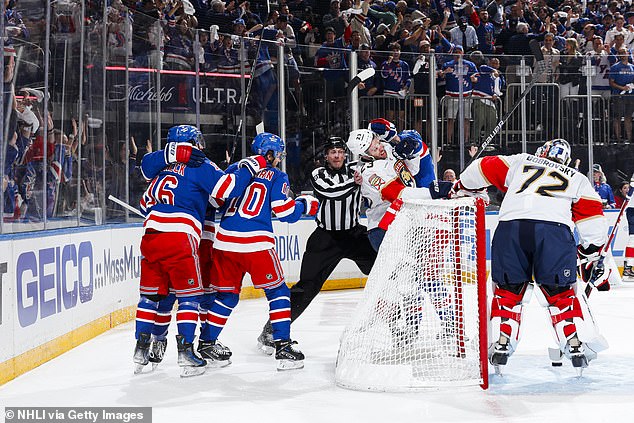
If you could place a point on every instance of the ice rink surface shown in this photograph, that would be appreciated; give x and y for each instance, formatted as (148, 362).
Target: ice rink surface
(99, 373)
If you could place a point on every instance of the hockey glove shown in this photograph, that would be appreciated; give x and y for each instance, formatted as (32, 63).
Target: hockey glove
(253, 164)
(406, 149)
(440, 189)
(591, 268)
(459, 191)
(184, 152)
(311, 204)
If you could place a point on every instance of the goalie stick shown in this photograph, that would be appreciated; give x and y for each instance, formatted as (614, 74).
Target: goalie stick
(540, 69)
(604, 250)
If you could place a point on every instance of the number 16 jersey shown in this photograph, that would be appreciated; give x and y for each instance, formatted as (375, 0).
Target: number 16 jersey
(540, 189)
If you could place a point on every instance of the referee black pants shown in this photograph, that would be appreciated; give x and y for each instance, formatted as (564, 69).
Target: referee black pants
(324, 250)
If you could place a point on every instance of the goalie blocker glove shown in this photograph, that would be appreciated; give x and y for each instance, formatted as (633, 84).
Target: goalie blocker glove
(440, 189)
(591, 267)
(184, 152)
(311, 204)
(253, 164)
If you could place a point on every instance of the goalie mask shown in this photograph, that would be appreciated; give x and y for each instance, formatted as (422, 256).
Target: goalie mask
(557, 150)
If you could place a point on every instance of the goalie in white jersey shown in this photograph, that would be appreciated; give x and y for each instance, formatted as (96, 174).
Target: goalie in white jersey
(545, 199)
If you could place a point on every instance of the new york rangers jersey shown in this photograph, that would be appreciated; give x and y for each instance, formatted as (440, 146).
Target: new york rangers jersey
(426, 173)
(177, 196)
(246, 224)
(541, 189)
(383, 182)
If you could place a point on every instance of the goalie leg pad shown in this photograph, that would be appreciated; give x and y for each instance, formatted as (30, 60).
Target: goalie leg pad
(506, 316)
(565, 311)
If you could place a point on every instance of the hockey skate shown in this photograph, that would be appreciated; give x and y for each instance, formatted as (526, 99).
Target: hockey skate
(216, 354)
(157, 352)
(499, 354)
(265, 340)
(191, 364)
(141, 353)
(628, 274)
(288, 357)
(576, 352)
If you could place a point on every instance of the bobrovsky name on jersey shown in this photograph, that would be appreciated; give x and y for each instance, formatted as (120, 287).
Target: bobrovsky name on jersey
(52, 280)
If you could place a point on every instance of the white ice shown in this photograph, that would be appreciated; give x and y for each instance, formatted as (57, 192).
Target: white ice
(99, 373)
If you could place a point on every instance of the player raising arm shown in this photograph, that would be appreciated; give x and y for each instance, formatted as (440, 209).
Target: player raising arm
(387, 179)
(545, 199)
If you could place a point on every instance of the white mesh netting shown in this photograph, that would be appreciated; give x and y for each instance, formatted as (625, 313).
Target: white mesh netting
(417, 325)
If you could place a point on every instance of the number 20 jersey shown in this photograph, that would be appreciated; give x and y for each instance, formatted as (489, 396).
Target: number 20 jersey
(540, 189)
(246, 224)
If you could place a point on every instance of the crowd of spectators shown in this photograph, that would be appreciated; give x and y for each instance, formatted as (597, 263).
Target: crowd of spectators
(487, 36)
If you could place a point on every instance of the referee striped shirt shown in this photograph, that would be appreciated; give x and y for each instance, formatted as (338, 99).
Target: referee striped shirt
(339, 197)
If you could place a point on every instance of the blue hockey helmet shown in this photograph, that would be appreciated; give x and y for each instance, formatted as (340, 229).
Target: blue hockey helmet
(265, 142)
(186, 133)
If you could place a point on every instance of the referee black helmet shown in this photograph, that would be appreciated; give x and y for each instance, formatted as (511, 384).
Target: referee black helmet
(334, 142)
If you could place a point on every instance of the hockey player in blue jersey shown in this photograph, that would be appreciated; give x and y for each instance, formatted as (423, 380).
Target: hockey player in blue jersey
(175, 203)
(245, 244)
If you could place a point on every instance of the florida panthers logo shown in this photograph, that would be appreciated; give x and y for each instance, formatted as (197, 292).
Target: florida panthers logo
(404, 174)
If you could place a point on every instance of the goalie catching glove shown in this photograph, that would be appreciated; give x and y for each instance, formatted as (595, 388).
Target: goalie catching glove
(311, 204)
(459, 191)
(184, 152)
(253, 164)
(591, 268)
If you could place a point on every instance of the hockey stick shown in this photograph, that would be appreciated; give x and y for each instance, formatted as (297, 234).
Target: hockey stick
(243, 102)
(125, 205)
(362, 76)
(606, 247)
(540, 69)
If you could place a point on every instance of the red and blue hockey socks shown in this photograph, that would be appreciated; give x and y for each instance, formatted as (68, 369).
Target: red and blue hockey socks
(187, 317)
(218, 313)
(163, 317)
(280, 311)
(145, 316)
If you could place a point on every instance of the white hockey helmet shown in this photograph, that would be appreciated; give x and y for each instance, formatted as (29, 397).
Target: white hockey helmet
(359, 141)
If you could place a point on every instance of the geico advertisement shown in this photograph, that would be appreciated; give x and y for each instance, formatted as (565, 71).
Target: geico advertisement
(54, 284)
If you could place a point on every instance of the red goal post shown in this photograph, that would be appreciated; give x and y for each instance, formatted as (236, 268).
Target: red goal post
(422, 320)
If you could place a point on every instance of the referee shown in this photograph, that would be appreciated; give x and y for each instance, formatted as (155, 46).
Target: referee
(338, 234)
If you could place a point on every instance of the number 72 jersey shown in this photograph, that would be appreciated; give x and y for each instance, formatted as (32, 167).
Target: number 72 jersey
(540, 189)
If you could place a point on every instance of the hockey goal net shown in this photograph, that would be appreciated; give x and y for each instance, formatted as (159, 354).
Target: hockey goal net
(422, 320)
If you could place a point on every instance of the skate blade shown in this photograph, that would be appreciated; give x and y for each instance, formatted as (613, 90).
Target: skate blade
(191, 371)
(217, 364)
(498, 369)
(283, 365)
(154, 366)
(266, 349)
(138, 368)
(579, 371)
